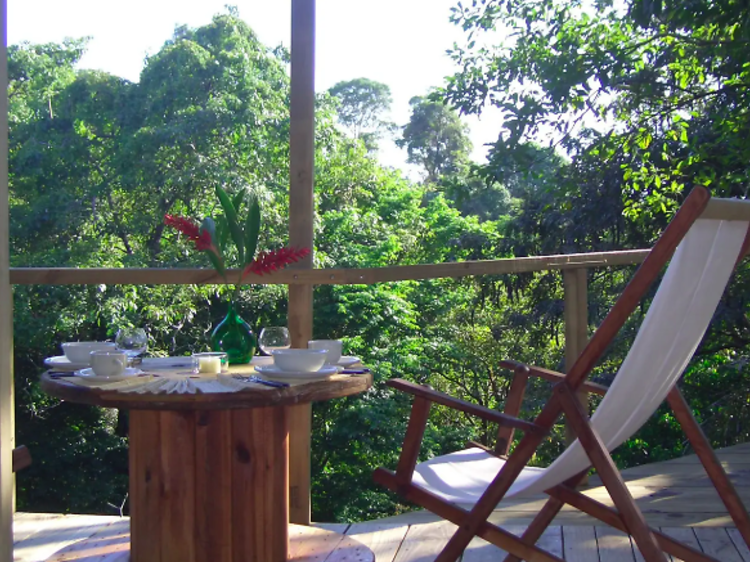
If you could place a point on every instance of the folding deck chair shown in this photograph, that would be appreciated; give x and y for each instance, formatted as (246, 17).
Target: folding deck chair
(710, 237)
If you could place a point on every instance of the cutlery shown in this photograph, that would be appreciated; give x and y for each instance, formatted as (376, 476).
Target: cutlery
(60, 374)
(256, 379)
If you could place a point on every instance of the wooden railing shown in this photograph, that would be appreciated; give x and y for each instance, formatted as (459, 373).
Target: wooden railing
(365, 276)
(573, 266)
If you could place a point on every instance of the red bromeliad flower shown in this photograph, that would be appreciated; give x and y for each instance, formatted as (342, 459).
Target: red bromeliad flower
(187, 226)
(204, 242)
(270, 261)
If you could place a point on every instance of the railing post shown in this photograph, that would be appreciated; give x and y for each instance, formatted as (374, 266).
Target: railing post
(7, 432)
(301, 209)
(575, 287)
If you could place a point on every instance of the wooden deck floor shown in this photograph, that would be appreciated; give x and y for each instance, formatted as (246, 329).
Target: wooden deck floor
(675, 496)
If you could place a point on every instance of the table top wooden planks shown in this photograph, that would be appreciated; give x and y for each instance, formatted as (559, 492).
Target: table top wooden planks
(312, 391)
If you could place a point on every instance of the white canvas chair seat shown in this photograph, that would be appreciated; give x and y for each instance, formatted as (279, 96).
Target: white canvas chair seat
(669, 335)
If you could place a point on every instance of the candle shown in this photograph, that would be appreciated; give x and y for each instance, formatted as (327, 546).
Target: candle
(209, 365)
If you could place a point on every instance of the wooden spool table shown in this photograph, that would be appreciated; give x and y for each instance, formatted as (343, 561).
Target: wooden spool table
(209, 472)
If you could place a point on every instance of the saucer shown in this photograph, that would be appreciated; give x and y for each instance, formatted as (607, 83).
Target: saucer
(273, 371)
(62, 363)
(348, 361)
(89, 374)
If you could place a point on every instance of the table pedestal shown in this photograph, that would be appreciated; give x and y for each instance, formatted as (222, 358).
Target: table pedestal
(209, 485)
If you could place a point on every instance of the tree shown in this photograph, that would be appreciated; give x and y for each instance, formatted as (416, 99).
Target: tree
(362, 102)
(661, 87)
(435, 138)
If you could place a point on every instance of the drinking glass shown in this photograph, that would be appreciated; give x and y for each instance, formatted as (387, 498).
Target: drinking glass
(276, 337)
(133, 341)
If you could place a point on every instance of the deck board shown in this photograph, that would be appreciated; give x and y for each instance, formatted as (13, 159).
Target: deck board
(674, 495)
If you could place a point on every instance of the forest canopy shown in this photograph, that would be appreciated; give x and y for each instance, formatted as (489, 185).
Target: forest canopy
(640, 103)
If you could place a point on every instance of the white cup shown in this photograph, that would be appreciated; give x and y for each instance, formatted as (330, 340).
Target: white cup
(107, 363)
(333, 347)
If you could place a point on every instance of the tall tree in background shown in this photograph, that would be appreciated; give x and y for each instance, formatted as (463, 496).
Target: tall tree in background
(362, 103)
(435, 138)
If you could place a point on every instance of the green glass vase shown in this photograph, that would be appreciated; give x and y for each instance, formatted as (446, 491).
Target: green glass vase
(235, 337)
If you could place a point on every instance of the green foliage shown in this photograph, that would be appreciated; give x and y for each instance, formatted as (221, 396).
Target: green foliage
(659, 91)
(435, 138)
(361, 104)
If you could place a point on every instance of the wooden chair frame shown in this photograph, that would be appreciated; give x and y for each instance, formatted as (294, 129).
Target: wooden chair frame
(626, 516)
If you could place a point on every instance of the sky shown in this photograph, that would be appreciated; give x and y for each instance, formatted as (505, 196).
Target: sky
(401, 43)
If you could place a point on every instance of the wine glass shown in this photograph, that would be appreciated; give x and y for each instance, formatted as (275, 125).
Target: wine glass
(275, 337)
(133, 341)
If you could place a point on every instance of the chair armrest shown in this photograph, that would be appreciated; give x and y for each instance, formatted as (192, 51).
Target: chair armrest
(553, 376)
(463, 406)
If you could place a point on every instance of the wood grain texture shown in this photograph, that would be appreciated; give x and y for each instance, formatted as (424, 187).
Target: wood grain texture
(144, 446)
(260, 502)
(513, 404)
(301, 234)
(683, 534)
(300, 430)
(613, 545)
(575, 286)
(742, 547)
(717, 543)
(311, 544)
(307, 276)
(580, 544)
(425, 542)
(177, 508)
(108, 541)
(420, 411)
(110, 544)
(382, 539)
(293, 395)
(213, 486)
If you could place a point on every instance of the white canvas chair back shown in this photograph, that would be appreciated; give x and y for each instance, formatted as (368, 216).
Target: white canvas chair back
(669, 335)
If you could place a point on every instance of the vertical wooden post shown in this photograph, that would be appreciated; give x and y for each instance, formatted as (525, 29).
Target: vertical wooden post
(301, 170)
(7, 432)
(576, 326)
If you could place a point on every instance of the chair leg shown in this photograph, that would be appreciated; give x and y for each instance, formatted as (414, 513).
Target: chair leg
(544, 518)
(710, 461)
(610, 475)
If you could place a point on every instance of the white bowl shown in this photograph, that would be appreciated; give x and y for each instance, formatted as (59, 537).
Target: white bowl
(333, 347)
(79, 351)
(299, 360)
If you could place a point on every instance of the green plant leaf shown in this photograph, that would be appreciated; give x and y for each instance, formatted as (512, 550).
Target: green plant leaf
(209, 225)
(252, 230)
(231, 215)
(238, 200)
(222, 233)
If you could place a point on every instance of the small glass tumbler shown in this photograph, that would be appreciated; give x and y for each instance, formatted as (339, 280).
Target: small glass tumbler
(210, 363)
